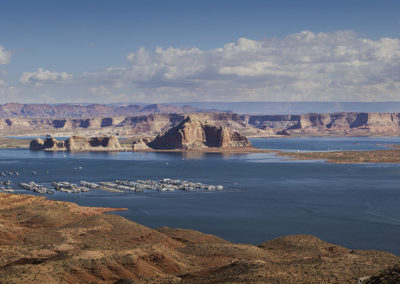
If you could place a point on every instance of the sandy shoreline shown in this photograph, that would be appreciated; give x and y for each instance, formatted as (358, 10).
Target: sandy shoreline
(389, 156)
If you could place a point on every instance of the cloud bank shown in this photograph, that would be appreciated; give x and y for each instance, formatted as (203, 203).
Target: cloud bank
(5, 56)
(41, 76)
(302, 66)
(305, 66)
(5, 88)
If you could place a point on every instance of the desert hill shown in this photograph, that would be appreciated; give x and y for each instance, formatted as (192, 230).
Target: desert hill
(44, 241)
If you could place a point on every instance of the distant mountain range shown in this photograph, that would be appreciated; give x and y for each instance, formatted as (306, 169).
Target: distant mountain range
(296, 107)
(11, 110)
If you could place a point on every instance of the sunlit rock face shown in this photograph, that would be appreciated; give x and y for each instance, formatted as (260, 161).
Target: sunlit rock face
(196, 134)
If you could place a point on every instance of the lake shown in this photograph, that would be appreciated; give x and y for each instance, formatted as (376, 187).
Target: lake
(354, 205)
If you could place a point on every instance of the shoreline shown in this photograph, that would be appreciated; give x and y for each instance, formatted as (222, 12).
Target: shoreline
(245, 150)
(384, 156)
(390, 155)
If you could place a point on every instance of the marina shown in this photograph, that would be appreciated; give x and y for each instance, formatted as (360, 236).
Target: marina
(32, 186)
(163, 185)
(69, 187)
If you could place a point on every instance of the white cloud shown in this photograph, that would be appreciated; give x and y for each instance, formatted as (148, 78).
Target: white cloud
(6, 90)
(5, 56)
(302, 66)
(101, 90)
(42, 76)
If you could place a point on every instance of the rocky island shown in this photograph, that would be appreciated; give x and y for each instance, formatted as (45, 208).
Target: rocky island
(193, 134)
(77, 143)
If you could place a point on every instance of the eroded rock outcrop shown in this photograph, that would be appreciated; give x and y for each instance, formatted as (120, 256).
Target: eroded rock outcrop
(77, 143)
(48, 144)
(141, 145)
(196, 134)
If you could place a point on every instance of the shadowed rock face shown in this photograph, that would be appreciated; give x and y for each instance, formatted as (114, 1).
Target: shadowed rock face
(46, 241)
(49, 144)
(197, 134)
(140, 145)
(76, 143)
(79, 143)
(59, 123)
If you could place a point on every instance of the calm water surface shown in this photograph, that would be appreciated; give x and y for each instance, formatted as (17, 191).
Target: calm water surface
(355, 205)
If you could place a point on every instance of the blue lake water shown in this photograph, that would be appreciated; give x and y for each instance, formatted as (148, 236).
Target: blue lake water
(354, 205)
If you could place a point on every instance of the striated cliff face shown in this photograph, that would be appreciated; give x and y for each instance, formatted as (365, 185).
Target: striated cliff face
(346, 123)
(192, 133)
(76, 143)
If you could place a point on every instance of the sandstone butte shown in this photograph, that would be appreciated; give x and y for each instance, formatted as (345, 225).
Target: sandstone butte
(77, 143)
(45, 241)
(194, 134)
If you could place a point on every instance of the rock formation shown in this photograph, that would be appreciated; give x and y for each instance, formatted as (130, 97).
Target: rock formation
(80, 143)
(196, 134)
(141, 145)
(76, 143)
(336, 124)
(48, 144)
(46, 241)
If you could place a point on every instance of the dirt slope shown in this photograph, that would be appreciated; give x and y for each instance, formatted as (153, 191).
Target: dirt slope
(43, 241)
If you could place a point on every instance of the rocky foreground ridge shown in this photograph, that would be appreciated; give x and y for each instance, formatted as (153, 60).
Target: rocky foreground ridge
(340, 124)
(45, 241)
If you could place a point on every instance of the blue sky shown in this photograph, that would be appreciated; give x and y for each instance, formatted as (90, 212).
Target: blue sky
(78, 51)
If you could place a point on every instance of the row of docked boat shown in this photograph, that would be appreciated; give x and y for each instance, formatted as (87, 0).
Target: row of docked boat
(121, 186)
(69, 187)
(32, 186)
(166, 185)
(6, 189)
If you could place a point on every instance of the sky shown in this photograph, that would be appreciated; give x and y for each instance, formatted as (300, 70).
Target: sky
(163, 51)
